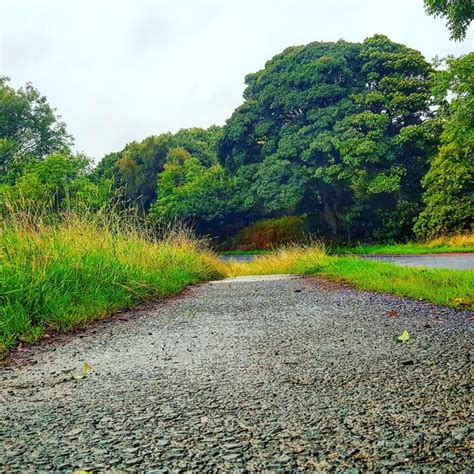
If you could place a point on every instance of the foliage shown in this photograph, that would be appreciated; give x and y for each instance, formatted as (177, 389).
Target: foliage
(136, 168)
(58, 277)
(189, 191)
(271, 233)
(30, 130)
(449, 183)
(459, 14)
(451, 244)
(339, 130)
(449, 194)
(404, 336)
(58, 182)
(344, 134)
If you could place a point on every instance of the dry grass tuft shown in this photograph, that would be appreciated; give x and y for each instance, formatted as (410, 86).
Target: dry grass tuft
(285, 260)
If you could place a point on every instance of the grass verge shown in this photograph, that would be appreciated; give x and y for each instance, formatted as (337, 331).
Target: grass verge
(56, 277)
(60, 276)
(457, 243)
(453, 288)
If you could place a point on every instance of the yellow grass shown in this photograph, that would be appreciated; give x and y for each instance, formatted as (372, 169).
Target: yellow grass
(286, 260)
(460, 240)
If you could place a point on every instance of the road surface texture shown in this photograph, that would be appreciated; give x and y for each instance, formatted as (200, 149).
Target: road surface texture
(458, 261)
(257, 373)
(462, 261)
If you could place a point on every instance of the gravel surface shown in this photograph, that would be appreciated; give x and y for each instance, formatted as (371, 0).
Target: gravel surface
(272, 373)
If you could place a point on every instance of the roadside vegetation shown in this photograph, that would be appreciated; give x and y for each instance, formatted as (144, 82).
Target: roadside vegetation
(57, 276)
(453, 288)
(361, 141)
(462, 243)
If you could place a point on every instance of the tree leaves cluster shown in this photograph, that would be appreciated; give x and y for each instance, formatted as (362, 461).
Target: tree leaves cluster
(458, 13)
(364, 140)
(338, 130)
(38, 170)
(30, 129)
(136, 168)
(449, 183)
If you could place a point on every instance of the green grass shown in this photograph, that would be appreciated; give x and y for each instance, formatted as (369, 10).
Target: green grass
(57, 277)
(54, 277)
(398, 249)
(453, 244)
(453, 288)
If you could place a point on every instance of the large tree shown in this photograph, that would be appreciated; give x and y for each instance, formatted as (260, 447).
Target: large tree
(336, 129)
(459, 14)
(449, 183)
(30, 129)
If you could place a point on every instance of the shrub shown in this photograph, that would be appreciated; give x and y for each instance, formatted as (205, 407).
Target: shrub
(271, 233)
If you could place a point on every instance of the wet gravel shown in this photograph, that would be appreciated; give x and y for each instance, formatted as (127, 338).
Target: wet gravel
(275, 374)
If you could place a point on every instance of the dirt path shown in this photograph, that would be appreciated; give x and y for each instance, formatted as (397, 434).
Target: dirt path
(255, 373)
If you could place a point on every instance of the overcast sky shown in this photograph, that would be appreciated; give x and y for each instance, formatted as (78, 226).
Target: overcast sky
(118, 71)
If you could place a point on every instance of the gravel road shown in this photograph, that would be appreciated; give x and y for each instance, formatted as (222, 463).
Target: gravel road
(263, 373)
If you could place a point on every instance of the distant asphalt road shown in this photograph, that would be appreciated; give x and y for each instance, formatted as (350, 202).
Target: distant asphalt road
(455, 261)
(461, 261)
(274, 374)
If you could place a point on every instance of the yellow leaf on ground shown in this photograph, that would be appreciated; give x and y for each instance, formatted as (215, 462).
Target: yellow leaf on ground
(404, 337)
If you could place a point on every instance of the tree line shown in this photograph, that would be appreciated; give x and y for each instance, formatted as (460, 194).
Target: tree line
(365, 141)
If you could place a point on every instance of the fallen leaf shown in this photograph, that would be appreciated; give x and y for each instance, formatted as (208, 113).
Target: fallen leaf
(404, 336)
(462, 301)
(77, 376)
(393, 313)
(86, 368)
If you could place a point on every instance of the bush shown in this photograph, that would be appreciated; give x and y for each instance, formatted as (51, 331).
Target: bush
(271, 233)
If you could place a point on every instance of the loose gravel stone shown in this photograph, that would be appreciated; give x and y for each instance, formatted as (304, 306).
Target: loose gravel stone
(275, 374)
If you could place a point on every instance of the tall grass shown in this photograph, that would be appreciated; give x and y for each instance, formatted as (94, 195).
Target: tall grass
(61, 274)
(58, 272)
(285, 260)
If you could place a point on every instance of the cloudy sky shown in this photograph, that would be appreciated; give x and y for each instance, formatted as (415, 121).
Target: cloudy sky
(120, 70)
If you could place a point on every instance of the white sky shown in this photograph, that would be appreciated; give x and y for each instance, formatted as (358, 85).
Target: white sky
(120, 70)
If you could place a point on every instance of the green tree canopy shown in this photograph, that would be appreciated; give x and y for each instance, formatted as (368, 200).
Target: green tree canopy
(58, 182)
(449, 183)
(135, 169)
(459, 14)
(29, 128)
(189, 191)
(339, 129)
